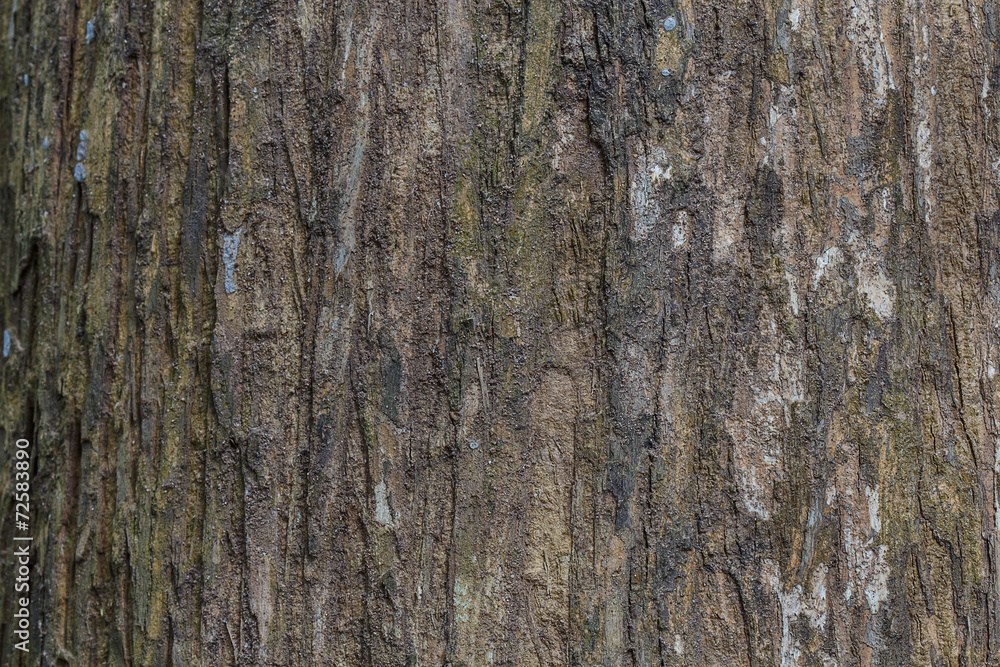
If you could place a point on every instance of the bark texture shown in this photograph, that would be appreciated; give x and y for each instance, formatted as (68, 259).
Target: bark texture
(497, 332)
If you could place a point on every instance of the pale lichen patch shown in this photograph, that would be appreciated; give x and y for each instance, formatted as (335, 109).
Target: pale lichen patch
(830, 258)
(794, 17)
(759, 414)
(565, 128)
(657, 174)
(652, 170)
(793, 293)
(873, 284)
(874, 520)
(382, 513)
(680, 229)
(230, 246)
(925, 154)
(879, 291)
(81, 147)
(865, 31)
(868, 569)
(798, 602)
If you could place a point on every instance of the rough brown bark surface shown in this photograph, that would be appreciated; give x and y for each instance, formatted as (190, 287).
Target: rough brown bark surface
(495, 332)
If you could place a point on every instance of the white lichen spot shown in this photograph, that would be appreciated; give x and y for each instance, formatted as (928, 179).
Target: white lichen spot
(754, 494)
(10, 27)
(865, 31)
(340, 261)
(755, 429)
(868, 569)
(793, 18)
(877, 589)
(382, 513)
(680, 229)
(567, 135)
(831, 257)
(657, 174)
(924, 145)
(793, 293)
(462, 600)
(797, 603)
(680, 236)
(652, 169)
(81, 148)
(230, 246)
(6, 344)
(678, 645)
(879, 291)
(872, 283)
(816, 605)
(874, 520)
(760, 413)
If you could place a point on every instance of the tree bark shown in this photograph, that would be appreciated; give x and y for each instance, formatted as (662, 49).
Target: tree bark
(481, 332)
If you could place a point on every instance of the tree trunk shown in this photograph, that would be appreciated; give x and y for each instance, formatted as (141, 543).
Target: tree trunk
(481, 332)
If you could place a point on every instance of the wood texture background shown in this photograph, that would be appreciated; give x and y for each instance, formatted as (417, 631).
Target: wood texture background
(496, 332)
